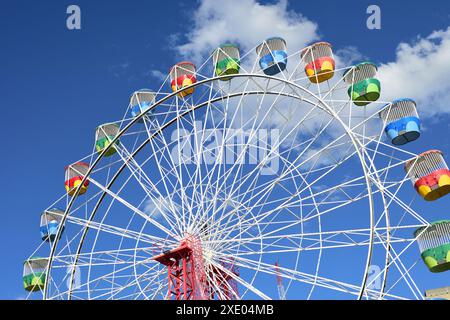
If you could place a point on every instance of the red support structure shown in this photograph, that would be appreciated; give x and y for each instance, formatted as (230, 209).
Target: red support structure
(184, 281)
(225, 282)
(187, 277)
(281, 291)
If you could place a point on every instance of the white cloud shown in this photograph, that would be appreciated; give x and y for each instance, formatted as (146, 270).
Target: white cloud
(154, 207)
(159, 75)
(120, 70)
(246, 22)
(348, 56)
(420, 71)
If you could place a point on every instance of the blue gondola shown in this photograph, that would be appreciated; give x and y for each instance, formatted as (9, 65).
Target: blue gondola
(272, 55)
(402, 122)
(50, 222)
(140, 102)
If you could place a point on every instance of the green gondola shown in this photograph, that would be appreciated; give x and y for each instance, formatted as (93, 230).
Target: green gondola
(104, 136)
(434, 245)
(34, 273)
(226, 60)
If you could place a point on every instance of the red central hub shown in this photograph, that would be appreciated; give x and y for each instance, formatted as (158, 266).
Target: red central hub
(181, 273)
(187, 276)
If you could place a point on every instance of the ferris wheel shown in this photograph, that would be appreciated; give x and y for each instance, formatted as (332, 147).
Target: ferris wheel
(250, 167)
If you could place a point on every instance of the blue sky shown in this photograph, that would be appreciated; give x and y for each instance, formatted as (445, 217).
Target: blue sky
(58, 85)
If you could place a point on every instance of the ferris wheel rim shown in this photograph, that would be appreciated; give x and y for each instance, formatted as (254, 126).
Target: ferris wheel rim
(319, 101)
